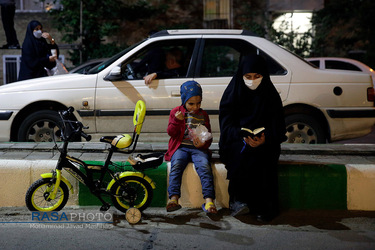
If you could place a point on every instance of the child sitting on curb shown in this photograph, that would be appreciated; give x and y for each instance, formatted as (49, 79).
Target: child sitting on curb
(182, 148)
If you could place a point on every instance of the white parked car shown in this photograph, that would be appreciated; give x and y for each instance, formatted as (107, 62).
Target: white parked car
(342, 64)
(319, 105)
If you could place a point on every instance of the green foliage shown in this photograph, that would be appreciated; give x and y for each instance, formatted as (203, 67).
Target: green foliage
(254, 19)
(344, 26)
(140, 10)
(100, 19)
(174, 26)
(298, 43)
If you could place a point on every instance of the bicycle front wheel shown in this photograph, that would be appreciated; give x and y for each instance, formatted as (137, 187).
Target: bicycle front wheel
(131, 191)
(38, 193)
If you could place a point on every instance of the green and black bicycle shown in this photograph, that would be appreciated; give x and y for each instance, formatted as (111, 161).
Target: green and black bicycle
(130, 191)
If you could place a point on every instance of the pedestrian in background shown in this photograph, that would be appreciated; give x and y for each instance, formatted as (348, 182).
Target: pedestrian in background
(8, 10)
(37, 52)
(251, 101)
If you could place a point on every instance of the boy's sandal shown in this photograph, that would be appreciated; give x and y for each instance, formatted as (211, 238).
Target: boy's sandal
(173, 206)
(209, 208)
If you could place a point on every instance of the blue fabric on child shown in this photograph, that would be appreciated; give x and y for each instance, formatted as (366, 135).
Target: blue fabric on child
(189, 89)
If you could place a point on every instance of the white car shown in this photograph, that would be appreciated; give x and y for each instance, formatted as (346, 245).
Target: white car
(342, 64)
(319, 105)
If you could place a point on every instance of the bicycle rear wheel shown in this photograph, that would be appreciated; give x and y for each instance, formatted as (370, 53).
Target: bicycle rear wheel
(37, 196)
(131, 191)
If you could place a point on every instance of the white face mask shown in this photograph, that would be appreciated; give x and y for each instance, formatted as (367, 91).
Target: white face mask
(252, 84)
(37, 33)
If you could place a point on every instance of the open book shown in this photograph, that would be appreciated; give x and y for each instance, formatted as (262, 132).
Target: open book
(245, 132)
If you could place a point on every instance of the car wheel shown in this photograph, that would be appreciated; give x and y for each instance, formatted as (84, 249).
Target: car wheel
(41, 126)
(304, 129)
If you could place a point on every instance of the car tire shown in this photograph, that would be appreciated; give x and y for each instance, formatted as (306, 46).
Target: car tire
(41, 126)
(304, 129)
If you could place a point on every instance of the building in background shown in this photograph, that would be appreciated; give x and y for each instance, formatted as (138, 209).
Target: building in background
(218, 14)
(36, 6)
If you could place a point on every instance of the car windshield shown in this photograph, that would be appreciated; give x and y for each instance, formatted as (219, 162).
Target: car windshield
(108, 62)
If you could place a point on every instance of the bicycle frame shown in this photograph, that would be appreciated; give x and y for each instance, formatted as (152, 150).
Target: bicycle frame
(127, 189)
(71, 165)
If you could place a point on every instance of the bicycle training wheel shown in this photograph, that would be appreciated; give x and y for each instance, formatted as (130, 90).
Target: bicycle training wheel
(133, 215)
(37, 196)
(131, 191)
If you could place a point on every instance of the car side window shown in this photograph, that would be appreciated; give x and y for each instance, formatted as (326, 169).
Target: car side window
(154, 59)
(332, 64)
(315, 62)
(274, 68)
(220, 58)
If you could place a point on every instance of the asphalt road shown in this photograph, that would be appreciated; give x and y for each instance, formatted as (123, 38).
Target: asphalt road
(185, 229)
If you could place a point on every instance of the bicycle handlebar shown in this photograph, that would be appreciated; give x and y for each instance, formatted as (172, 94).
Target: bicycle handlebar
(75, 127)
(67, 113)
(86, 136)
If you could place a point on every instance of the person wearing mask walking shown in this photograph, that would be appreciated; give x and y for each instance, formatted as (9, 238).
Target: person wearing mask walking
(37, 52)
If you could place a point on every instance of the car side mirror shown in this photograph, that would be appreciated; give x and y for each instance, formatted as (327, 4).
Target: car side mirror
(114, 74)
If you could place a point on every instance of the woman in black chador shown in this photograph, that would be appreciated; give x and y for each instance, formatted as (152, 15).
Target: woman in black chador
(36, 52)
(251, 101)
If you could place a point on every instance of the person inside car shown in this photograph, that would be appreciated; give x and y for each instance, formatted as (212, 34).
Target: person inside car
(152, 62)
(173, 67)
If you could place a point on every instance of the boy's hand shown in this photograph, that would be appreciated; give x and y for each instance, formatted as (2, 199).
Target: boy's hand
(197, 142)
(179, 115)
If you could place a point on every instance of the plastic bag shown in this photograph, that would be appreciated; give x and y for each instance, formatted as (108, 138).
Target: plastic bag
(201, 131)
(59, 69)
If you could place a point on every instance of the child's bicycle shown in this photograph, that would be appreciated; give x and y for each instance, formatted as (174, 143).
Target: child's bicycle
(131, 191)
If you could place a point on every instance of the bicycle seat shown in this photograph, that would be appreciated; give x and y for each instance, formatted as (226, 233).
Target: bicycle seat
(119, 141)
(125, 141)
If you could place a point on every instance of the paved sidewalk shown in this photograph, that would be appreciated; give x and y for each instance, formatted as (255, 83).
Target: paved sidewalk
(96, 151)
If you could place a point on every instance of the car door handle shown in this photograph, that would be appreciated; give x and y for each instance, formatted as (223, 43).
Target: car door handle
(175, 93)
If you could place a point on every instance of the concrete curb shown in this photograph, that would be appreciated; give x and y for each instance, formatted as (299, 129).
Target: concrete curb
(302, 185)
(327, 176)
(361, 187)
(18, 175)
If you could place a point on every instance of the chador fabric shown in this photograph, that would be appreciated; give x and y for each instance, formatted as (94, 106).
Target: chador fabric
(252, 171)
(35, 55)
